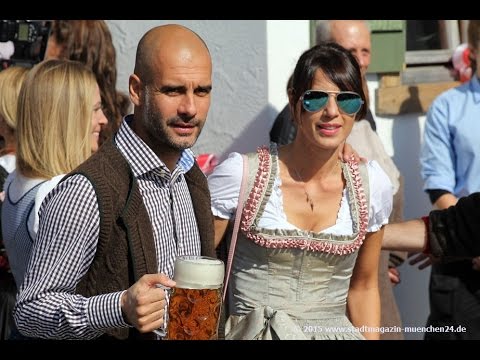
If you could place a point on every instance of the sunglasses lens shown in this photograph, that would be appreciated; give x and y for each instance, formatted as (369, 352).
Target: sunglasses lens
(349, 103)
(314, 100)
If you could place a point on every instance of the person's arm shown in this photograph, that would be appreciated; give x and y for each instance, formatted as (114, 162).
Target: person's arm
(47, 306)
(224, 184)
(437, 157)
(452, 232)
(363, 302)
(220, 229)
(396, 258)
(405, 236)
(455, 232)
(445, 201)
(437, 160)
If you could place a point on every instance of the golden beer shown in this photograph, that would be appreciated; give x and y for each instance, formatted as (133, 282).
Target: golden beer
(195, 302)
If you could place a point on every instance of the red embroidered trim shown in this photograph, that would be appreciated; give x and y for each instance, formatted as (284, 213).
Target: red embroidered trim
(253, 202)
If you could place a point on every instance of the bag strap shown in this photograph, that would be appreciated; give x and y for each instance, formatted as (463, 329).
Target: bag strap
(236, 224)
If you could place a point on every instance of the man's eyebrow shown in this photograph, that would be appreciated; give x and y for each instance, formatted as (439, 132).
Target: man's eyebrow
(204, 88)
(168, 88)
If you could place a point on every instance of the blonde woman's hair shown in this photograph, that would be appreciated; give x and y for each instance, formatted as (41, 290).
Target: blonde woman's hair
(11, 80)
(54, 118)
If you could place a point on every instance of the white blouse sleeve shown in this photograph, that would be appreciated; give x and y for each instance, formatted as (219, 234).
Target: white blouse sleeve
(224, 183)
(43, 190)
(381, 196)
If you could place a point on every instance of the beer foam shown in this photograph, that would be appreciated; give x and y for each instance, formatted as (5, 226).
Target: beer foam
(198, 272)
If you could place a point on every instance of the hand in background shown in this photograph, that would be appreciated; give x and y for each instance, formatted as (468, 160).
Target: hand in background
(346, 152)
(423, 260)
(394, 275)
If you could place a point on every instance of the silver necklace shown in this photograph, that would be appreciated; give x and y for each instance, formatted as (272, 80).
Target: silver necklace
(308, 198)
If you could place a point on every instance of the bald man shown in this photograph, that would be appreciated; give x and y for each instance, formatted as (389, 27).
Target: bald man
(353, 35)
(110, 231)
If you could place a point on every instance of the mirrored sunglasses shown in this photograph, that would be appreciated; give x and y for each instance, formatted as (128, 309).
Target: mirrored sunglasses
(348, 102)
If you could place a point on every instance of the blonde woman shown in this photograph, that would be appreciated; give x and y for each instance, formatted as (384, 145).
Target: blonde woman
(11, 80)
(59, 119)
(90, 42)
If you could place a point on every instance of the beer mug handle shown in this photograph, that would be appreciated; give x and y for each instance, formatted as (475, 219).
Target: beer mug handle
(162, 331)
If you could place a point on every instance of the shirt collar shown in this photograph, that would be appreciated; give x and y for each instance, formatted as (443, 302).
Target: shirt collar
(141, 158)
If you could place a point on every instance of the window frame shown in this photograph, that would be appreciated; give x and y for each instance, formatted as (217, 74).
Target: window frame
(424, 74)
(420, 72)
(428, 66)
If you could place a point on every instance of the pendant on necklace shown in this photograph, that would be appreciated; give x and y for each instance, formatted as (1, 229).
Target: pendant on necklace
(309, 201)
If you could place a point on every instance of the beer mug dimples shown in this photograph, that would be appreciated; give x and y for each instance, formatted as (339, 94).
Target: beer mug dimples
(195, 302)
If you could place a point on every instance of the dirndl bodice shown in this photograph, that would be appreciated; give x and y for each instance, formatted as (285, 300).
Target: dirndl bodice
(292, 284)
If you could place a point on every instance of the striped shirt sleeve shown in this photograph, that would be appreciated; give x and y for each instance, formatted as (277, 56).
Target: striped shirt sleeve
(47, 306)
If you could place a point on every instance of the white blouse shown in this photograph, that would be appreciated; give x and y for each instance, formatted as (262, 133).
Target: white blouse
(8, 162)
(224, 184)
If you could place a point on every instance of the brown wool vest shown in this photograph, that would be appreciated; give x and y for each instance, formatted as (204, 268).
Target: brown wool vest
(125, 250)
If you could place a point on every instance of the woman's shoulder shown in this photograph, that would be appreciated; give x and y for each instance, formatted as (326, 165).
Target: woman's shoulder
(378, 180)
(232, 165)
(46, 187)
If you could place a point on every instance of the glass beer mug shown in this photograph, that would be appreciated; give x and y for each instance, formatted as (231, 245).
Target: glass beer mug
(195, 302)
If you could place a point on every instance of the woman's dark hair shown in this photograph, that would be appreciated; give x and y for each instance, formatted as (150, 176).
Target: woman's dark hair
(337, 63)
(90, 42)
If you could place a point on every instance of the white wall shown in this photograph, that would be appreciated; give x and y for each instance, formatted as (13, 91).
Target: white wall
(252, 61)
(245, 97)
(286, 41)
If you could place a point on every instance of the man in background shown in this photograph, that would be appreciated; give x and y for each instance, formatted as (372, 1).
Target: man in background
(450, 164)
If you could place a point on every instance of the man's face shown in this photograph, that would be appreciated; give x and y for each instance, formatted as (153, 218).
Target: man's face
(176, 102)
(354, 36)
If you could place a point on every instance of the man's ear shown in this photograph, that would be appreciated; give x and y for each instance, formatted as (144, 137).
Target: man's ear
(135, 89)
